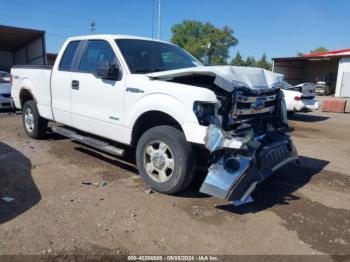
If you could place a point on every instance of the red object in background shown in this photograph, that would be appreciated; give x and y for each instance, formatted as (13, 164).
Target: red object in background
(334, 105)
(330, 53)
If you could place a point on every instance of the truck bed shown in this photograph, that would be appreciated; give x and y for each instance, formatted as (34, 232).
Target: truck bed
(37, 80)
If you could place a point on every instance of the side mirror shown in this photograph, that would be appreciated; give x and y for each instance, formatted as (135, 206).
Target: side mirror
(108, 71)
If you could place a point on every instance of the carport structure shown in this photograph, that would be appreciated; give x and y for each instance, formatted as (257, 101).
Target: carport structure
(332, 66)
(21, 46)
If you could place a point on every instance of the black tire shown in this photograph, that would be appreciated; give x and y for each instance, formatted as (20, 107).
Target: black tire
(181, 152)
(39, 124)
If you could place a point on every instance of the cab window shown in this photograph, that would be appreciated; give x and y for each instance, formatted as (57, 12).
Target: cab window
(97, 53)
(66, 63)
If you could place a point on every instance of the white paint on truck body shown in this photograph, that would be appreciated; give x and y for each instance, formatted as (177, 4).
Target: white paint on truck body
(109, 110)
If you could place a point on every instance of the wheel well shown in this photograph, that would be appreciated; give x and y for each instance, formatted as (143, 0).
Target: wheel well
(151, 119)
(24, 96)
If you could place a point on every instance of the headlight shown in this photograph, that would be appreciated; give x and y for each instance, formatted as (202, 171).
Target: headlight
(201, 109)
(205, 113)
(216, 139)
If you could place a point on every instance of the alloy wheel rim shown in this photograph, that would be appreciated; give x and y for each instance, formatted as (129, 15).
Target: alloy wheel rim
(159, 161)
(29, 120)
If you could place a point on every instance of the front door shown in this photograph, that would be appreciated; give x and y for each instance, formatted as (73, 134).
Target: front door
(97, 104)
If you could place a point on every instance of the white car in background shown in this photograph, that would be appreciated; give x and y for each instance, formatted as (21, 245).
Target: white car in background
(300, 97)
(5, 90)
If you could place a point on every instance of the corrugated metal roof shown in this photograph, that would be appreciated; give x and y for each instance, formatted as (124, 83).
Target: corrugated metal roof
(340, 52)
(13, 38)
(336, 54)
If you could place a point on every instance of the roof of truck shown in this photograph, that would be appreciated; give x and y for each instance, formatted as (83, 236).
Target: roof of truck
(109, 36)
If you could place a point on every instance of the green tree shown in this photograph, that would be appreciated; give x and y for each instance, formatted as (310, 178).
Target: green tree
(250, 61)
(319, 50)
(195, 37)
(263, 63)
(300, 54)
(237, 60)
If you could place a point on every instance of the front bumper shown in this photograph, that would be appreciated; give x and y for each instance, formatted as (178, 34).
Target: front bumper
(6, 102)
(238, 185)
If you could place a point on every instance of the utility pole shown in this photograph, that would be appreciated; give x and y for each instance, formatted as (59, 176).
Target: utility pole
(159, 18)
(92, 27)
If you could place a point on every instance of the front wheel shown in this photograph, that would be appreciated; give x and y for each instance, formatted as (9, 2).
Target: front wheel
(34, 125)
(164, 159)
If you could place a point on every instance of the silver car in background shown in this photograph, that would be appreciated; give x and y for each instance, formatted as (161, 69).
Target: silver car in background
(5, 90)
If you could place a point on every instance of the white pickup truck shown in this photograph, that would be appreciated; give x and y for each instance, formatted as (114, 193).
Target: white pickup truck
(110, 90)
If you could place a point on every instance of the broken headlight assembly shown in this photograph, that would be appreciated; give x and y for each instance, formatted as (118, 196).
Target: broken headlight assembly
(205, 113)
(216, 138)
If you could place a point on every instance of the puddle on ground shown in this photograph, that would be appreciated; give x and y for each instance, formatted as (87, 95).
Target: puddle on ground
(323, 228)
(336, 181)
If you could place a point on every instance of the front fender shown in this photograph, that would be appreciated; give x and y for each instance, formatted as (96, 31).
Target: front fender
(166, 104)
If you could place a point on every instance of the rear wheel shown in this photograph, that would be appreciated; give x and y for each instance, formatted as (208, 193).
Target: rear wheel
(164, 159)
(34, 125)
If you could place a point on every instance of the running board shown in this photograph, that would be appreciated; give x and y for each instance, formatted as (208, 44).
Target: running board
(95, 143)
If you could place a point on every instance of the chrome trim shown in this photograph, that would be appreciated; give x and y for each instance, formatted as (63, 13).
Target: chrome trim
(253, 99)
(243, 112)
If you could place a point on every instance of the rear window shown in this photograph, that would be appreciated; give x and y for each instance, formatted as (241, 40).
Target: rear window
(67, 58)
(4, 77)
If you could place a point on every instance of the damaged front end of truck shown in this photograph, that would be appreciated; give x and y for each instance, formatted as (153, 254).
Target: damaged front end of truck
(246, 129)
(251, 148)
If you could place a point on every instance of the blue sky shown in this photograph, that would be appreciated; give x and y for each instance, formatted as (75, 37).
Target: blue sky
(277, 28)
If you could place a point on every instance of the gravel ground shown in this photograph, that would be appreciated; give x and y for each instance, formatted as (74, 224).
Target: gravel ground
(300, 210)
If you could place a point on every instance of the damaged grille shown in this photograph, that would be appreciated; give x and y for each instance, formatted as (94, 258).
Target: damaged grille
(251, 104)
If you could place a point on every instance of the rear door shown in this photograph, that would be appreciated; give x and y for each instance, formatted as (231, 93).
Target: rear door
(97, 104)
(61, 81)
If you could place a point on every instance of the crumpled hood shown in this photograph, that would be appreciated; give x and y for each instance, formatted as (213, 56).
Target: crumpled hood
(228, 77)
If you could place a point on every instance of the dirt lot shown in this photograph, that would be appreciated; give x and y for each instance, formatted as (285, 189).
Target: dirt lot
(300, 210)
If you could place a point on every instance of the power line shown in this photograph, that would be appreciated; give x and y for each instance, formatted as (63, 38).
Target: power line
(152, 18)
(159, 18)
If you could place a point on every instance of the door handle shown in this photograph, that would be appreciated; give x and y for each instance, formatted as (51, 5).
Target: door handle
(75, 84)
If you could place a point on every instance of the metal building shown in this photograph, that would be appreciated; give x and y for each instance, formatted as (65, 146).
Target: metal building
(333, 66)
(21, 46)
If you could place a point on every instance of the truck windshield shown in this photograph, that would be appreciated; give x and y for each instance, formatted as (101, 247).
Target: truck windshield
(145, 56)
